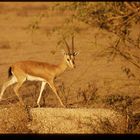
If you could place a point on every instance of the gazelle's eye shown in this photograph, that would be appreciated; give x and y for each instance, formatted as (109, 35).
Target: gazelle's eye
(68, 60)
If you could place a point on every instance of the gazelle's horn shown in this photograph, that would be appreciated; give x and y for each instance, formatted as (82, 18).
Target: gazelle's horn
(72, 43)
(68, 48)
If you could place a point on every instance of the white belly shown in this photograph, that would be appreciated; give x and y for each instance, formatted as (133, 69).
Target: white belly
(34, 78)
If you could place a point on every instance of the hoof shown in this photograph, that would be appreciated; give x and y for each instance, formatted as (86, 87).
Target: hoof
(38, 105)
(63, 106)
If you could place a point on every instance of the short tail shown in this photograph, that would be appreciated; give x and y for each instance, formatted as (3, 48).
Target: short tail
(9, 72)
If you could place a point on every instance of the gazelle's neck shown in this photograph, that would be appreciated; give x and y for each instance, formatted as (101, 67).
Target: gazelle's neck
(61, 67)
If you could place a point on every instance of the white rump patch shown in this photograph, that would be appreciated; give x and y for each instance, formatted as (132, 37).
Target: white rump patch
(34, 78)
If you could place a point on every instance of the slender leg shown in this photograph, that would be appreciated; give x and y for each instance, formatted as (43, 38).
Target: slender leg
(55, 91)
(40, 94)
(7, 84)
(16, 89)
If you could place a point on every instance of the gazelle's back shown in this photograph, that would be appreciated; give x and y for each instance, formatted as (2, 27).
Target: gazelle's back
(34, 68)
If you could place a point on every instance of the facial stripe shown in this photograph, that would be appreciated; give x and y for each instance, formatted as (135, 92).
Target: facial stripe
(71, 62)
(70, 59)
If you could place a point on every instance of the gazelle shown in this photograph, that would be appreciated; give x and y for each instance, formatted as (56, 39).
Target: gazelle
(39, 71)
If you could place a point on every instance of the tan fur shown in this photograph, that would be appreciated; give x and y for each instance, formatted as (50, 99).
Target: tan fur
(38, 69)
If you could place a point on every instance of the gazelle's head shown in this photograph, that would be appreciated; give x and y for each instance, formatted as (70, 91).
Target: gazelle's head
(70, 59)
(70, 55)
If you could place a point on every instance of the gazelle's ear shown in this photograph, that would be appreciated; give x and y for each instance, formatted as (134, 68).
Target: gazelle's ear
(76, 53)
(63, 52)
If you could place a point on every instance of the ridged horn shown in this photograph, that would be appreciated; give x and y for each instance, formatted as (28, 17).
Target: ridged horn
(72, 44)
(68, 48)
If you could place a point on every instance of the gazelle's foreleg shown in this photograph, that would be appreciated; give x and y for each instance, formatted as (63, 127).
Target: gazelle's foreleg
(7, 84)
(51, 84)
(40, 94)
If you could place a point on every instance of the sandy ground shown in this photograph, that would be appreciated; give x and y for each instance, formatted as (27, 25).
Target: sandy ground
(76, 121)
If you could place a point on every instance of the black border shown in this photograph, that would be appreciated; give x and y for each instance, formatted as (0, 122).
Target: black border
(67, 136)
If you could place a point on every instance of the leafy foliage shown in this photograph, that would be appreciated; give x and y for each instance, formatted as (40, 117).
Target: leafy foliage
(118, 18)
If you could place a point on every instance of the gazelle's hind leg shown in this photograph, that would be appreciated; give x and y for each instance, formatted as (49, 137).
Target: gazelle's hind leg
(7, 84)
(16, 89)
